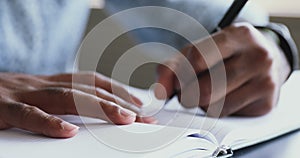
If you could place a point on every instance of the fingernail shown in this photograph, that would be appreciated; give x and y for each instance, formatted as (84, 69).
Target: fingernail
(151, 120)
(68, 127)
(127, 113)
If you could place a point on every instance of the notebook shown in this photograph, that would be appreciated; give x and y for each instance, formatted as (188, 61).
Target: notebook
(180, 133)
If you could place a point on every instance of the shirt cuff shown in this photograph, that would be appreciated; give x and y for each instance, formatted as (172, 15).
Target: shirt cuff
(286, 43)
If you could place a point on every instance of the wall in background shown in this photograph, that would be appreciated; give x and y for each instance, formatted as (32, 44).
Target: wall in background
(293, 24)
(280, 8)
(142, 77)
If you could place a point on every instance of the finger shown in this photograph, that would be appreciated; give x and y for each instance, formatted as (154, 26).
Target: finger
(224, 45)
(71, 101)
(258, 108)
(35, 120)
(120, 91)
(165, 82)
(16, 81)
(101, 93)
(4, 125)
(95, 79)
(149, 120)
(238, 72)
(173, 75)
(201, 56)
(238, 99)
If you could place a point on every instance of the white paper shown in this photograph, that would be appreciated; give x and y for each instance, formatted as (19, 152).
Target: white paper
(19, 144)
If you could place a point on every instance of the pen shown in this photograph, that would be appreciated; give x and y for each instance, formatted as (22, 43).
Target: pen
(228, 18)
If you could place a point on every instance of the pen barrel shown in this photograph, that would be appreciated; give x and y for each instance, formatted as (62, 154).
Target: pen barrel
(231, 14)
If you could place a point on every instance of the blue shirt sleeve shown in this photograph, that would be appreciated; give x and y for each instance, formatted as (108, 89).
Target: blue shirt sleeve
(207, 12)
(40, 36)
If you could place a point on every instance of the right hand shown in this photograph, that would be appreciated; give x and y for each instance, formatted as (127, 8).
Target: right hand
(27, 102)
(248, 84)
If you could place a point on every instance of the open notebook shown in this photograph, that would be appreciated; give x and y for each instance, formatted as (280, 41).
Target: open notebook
(187, 134)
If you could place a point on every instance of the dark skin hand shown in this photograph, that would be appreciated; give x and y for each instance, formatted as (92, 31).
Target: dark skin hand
(255, 69)
(28, 102)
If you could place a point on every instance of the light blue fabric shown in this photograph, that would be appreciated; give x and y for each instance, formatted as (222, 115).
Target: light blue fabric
(207, 12)
(40, 36)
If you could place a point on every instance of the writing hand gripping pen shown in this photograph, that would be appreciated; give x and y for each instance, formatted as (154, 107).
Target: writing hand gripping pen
(228, 18)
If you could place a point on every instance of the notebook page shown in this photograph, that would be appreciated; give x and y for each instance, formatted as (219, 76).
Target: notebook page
(238, 131)
(174, 115)
(18, 144)
(283, 119)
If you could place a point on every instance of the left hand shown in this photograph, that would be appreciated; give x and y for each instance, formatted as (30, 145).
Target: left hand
(255, 68)
(30, 102)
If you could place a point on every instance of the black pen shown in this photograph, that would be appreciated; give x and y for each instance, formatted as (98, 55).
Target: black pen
(228, 18)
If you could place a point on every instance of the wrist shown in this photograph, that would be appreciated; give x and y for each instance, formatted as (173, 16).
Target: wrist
(283, 66)
(286, 43)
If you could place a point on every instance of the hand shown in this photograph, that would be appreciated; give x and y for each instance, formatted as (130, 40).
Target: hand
(27, 102)
(255, 69)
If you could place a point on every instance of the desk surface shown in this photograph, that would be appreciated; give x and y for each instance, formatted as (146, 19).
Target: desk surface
(286, 146)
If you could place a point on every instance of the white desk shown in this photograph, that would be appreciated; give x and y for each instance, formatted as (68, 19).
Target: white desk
(285, 146)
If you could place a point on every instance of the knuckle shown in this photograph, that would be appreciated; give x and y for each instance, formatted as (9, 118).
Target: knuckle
(266, 108)
(49, 120)
(263, 53)
(27, 112)
(65, 96)
(67, 92)
(270, 84)
(262, 58)
(223, 38)
(245, 28)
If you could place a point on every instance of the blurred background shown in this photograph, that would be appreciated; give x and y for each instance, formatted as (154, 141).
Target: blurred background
(286, 12)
